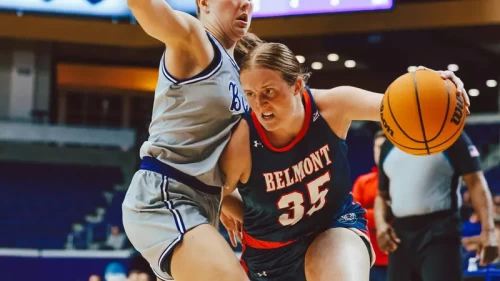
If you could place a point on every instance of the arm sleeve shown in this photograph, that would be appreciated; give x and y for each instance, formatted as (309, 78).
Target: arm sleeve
(464, 156)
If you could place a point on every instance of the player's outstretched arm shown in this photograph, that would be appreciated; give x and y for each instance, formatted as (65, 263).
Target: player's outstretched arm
(342, 105)
(160, 21)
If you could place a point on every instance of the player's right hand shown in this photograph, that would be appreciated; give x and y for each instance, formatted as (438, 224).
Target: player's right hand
(387, 239)
(234, 228)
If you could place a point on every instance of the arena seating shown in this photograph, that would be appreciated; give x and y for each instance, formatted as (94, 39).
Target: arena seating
(40, 202)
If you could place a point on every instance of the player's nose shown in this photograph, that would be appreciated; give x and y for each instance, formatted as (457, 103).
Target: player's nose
(245, 4)
(262, 103)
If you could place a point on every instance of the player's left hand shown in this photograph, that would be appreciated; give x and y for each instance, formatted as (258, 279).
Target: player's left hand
(234, 228)
(446, 74)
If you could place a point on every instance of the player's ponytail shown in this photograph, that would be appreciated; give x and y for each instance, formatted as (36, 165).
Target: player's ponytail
(248, 43)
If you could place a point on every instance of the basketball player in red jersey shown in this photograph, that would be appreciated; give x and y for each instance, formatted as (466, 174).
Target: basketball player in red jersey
(288, 159)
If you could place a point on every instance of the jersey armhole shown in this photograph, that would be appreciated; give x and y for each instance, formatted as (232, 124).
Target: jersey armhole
(208, 72)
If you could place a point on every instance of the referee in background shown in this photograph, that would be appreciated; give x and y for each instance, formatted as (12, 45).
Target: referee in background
(417, 211)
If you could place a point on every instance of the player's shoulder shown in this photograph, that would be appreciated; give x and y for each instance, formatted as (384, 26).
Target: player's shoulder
(325, 98)
(193, 22)
(321, 96)
(241, 130)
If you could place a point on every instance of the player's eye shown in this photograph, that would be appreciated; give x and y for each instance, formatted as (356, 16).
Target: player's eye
(268, 91)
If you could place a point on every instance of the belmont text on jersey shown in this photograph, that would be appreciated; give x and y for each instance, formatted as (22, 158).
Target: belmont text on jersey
(297, 189)
(296, 173)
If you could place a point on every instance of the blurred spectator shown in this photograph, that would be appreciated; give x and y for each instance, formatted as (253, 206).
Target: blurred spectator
(365, 191)
(77, 239)
(496, 202)
(115, 272)
(95, 278)
(139, 276)
(471, 240)
(140, 265)
(116, 239)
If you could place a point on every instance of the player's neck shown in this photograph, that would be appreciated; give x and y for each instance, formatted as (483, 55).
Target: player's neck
(224, 40)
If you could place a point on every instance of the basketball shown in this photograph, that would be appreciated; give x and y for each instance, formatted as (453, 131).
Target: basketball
(421, 113)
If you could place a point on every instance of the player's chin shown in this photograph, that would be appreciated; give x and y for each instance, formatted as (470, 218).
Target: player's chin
(239, 31)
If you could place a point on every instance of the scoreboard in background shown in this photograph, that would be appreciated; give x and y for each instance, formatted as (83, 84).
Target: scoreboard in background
(262, 8)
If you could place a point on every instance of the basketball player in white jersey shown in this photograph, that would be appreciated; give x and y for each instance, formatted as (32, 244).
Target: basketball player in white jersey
(171, 210)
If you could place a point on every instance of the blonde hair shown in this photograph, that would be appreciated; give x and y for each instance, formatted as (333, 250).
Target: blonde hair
(277, 57)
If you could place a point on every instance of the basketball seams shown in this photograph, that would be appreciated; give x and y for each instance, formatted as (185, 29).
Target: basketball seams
(432, 147)
(447, 110)
(415, 86)
(459, 130)
(429, 147)
(395, 120)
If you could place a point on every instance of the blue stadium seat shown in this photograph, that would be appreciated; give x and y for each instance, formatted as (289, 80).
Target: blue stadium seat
(38, 210)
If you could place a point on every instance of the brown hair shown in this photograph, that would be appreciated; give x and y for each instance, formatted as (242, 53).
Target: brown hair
(249, 42)
(277, 57)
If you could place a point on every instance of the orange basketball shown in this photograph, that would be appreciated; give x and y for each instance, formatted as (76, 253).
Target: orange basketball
(421, 113)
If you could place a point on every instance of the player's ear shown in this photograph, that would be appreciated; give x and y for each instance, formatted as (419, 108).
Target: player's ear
(203, 5)
(299, 85)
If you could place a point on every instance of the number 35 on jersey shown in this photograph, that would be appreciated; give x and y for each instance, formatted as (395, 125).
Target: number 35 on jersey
(300, 203)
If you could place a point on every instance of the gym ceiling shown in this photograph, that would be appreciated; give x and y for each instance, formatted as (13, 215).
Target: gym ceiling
(463, 34)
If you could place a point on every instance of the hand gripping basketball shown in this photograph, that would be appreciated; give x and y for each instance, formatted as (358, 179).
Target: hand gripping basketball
(446, 74)
(423, 112)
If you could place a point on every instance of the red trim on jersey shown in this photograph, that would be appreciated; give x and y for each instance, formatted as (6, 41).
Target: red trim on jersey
(302, 133)
(242, 262)
(261, 244)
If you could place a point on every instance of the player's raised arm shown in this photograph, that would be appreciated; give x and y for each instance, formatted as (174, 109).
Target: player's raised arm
(161, 21)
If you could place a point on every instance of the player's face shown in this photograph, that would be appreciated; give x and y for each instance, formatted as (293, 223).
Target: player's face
(377, 143)
(232, 16)
(272, 100)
